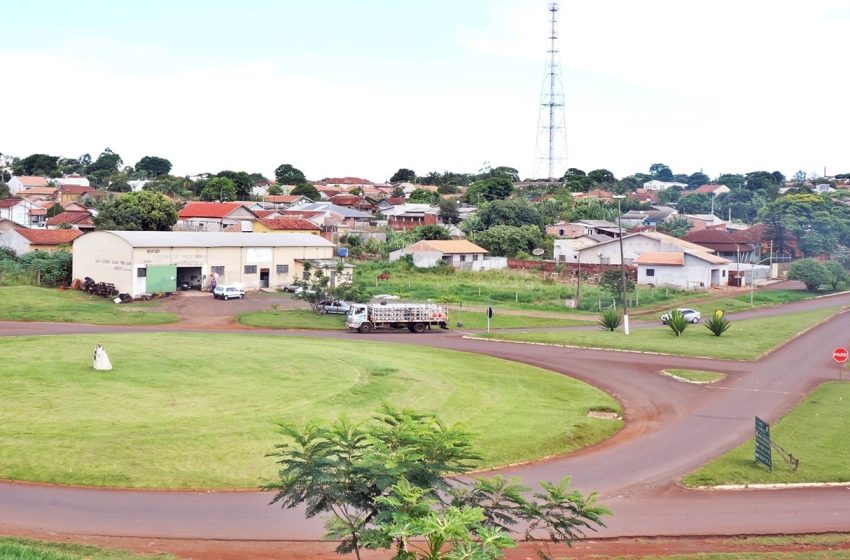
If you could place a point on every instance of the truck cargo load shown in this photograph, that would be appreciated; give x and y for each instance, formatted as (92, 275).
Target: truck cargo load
(416, 317)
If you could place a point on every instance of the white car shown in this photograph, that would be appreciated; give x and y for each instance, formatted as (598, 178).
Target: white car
(690, 315)
(228, 292)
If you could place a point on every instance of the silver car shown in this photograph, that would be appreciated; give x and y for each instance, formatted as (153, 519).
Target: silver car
(690, 315)
(228, 292)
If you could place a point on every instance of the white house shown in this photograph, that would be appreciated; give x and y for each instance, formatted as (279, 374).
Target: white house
(20, 183)
(656, 185)
(459, 253)
(683, 270)
(18, 210)
(634, 245)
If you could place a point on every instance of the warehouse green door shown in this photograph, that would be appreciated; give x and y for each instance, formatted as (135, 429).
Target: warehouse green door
(161, 279)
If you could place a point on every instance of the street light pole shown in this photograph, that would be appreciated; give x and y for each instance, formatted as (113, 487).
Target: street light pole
(622, 265)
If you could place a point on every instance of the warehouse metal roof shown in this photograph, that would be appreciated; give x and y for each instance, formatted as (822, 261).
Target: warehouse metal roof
(217, 239)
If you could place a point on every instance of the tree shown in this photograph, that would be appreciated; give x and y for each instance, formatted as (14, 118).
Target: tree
(287, 174)
(423, 196)
(449, 211)
(837, 273)
(677, 226)
(448, 189)
(37, 164)
(504, 171)
(398, 192)
(694, 203)
(612, 282)
(108, 161)
(153, 166)
(4, 190)
(166, 184)
(274, 190)
(731, 180)
(308, 190)
(602, 177)
(403, 175)
(698, 179)
(489, 189)
(576, 180)
(817, 223)
(143, 210)
(661, 172)
(508, 213)
(810, 272)
(242, 182)
(670, 195)
(219, 188)
(386, 481)
(767, 183)
(431, 231)
(507, 241)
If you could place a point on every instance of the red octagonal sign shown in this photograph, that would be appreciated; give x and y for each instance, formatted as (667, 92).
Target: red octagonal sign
(839, 355)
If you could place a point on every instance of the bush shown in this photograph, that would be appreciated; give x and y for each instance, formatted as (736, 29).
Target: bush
(810, 272)
(837, 273)
(677, 322)
(718, 323)
(610, 319)
(612, 281)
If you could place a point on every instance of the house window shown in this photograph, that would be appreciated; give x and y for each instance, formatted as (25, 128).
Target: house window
(604, 260)
(250, 269)
(724, 274)
(463, 258)
(650, 272)
(141, 272)
(217, 270)
(283, 269)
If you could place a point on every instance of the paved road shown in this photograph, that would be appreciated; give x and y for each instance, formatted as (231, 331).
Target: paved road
(671, 428)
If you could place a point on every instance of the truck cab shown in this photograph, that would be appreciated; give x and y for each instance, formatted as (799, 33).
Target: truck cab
(357, 317)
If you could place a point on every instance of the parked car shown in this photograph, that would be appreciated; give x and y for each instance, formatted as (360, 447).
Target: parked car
(291, 288)
(337, 307)
(386, 297)
(228, 292)
(301, 291)
(690, 315)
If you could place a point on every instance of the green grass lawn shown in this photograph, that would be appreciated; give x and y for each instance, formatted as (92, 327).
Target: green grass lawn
(695, 376)
(26, 549)
(292, 319)
(741, 555)
(28, 303)
(187, 410)
(822, 458)
(745, 340)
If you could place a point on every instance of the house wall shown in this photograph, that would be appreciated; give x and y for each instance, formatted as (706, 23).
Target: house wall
(104, 258)
(13, 240)
(633, 247)
(19, 213)
(566, 230)
(694, 275)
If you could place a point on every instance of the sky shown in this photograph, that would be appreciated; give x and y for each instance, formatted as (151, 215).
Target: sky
(341, 88)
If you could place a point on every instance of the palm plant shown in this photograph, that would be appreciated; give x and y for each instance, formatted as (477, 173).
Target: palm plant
(718, 323)
(610, 319)
(677, 322)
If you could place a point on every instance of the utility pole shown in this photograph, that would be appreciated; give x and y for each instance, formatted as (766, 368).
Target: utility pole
(619, 197)
(551, 123)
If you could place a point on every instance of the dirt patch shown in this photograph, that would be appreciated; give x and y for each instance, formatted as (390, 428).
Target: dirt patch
(200, 310)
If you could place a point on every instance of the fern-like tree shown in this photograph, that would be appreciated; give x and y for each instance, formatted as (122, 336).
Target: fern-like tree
(677, 322)
(610, 319)
(718, 324)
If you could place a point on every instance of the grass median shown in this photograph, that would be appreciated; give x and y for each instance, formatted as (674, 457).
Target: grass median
(822, 458)
(28, 303)
(26, 549)
(745, 340)
(188, 410)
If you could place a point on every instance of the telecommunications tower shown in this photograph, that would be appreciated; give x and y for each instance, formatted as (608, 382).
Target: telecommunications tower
(551, 123)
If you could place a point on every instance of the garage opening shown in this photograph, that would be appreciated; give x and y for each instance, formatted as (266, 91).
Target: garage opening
(264, 277)
(189, 278)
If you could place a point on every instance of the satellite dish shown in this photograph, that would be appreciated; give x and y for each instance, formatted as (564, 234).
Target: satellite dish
(537, 252)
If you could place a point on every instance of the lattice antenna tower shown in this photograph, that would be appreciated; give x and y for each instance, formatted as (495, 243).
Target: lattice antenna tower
(551, 122)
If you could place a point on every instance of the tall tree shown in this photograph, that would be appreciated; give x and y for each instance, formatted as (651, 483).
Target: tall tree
(219, 188)
(287, 174)
(694, 203)
(660, 171)
(602, 177)
(508, 213)
(698, 179)
(489, 189)
(308, 190)
(403, 175)
(38, 164)
(141, 210)
(107, 161)
(241, 181)
(153, 166)
(449, 211)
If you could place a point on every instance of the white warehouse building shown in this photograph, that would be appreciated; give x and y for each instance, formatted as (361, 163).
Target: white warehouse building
(144, 262)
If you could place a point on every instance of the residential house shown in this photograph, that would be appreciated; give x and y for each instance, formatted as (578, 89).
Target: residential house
(74, 193)
(683, 269)
(285, 201)
(82, 221)
(19, 183)
(6, 225)
(569, 249)
(652, 217)
(39, 193)
(18, 210)
(643, 196)
(23, 241)
(336, 217)
(700, 222)
(285, 225)
(406, 217)
(602, 195)
(736, 246)
(583, 227)
(634, 245)
(73, 179)
(656, 185)
(712, 189)
(212, 216)
(459, 253)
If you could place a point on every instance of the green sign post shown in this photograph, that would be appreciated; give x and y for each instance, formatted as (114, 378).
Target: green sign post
(763, 454)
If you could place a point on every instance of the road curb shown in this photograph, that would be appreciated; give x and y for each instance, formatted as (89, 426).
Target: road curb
(788, 486)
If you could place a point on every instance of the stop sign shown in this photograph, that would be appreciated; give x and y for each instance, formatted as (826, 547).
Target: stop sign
(839, 355)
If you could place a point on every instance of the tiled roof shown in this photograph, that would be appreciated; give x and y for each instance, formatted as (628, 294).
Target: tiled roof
(345, 181)
(10, 202)
(670, 259)
(208, 209)
(289, 224)
(33, 181)
(708, 188)
(454, 246)
(71, 218)
(49, 191)
(76, 189)
(283, 198)
(49, 236)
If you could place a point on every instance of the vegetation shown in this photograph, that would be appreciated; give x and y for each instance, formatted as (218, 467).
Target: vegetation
(219, 189)
(677, 322)
(695, 376)
(718, 324)
(740, 555)
(143, 210)
(26, 549)
(837, 274)
(28, 303)
(822, 458)
(35, 268)
(199, 410)
(385, 484)
(747, 339)
(153, 166)
(810, 272)
(610, 319)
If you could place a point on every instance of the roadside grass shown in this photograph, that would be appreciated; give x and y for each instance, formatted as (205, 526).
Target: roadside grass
(740, 555)
(745, 340)
(823, 458)
(695, 376)
(27, 549)
(28, 303)
(707, 305)
(292, 319)
(477, 320)
(190, 410)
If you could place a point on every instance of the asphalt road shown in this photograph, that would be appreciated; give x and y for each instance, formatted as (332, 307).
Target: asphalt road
(671, 429)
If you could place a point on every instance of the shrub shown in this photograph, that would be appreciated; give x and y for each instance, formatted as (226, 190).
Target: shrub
(677, 322)
(610, 319)
(718, 323)
(810, 272)
(837, 273)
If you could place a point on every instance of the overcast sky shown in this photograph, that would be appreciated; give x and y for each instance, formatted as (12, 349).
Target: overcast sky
(363, 88)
